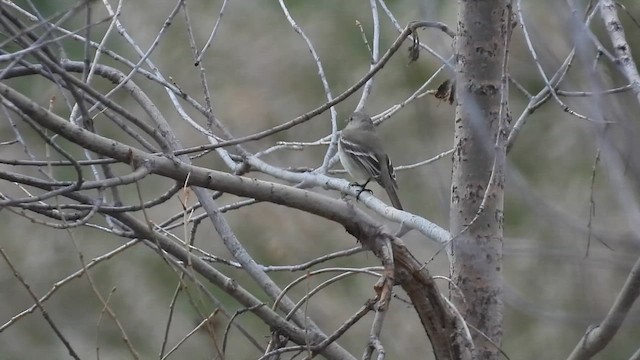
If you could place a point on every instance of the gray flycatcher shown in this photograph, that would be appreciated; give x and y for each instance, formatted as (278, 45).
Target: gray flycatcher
(362, 155)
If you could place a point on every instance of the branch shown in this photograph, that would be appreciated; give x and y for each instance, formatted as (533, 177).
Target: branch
(44, 312)
(420, 224)
(408, 30)
(598, 336)
(622, 49)
(436, 318)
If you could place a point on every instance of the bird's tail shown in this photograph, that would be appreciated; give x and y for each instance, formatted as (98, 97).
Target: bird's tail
(393, 196)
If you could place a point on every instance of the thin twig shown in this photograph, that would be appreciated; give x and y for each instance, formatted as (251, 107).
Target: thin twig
(44, 312)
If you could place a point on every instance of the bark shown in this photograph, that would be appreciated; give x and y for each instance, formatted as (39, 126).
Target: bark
(476, 249)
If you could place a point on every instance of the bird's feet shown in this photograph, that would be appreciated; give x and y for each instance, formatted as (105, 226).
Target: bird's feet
(363, 188)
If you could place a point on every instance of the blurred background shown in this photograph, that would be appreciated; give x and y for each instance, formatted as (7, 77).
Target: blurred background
(261, 74)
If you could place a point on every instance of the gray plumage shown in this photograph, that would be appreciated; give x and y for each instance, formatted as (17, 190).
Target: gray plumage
(362, 155)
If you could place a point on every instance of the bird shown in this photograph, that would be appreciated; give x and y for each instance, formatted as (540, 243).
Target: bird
(362, 155)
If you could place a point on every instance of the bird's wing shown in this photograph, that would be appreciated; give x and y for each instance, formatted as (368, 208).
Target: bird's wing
(366, 160)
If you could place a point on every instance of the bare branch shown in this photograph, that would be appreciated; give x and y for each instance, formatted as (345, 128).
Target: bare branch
(598, 336)
(44, 312)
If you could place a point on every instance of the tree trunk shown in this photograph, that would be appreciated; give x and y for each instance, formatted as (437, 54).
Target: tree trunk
(476, 252)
